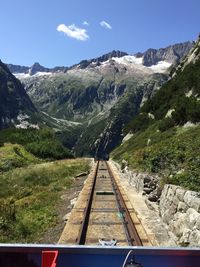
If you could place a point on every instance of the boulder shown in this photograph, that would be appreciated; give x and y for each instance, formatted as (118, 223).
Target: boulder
(189, 197)
(147, 179)
(147, 190)
(194, 238)
(153, 197)
(192, 216)
(180, 193)
(184, 240)
(178, 224)
(168, 213)
(197, 225)
(195, 204)
(182, 207)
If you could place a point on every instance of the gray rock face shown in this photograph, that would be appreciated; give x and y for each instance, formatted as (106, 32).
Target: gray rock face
(13, 98)
(115, 53)
(171, 54)
(102, 94)
(180, 210)
(36, 67)
(146, 184)
(17, 68)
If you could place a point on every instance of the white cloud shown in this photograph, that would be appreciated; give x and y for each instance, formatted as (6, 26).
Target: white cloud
(73, 32)
(86, 23)
(105, 24)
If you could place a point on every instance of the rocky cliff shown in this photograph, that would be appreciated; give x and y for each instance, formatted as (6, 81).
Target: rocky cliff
(180, 210)
(34, 69)
(13, 98)
(172, 54)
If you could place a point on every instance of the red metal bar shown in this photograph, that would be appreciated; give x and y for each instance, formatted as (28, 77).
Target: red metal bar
(49, 258)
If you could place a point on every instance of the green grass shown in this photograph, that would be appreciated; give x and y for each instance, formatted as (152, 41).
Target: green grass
(172, 95)
(173, 154)
(34, 190)
(42, 143)
(13, 156)
(161, 145)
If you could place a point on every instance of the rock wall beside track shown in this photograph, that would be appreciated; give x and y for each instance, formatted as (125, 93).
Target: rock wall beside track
(178, 208)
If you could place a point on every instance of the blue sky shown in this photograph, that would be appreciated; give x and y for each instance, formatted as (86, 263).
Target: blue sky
(53, 32)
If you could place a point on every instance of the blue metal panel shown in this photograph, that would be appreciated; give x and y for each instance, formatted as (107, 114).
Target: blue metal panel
(83, 256)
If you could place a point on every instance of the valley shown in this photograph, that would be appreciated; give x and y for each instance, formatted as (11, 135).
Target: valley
(103, 93)
(141, 111)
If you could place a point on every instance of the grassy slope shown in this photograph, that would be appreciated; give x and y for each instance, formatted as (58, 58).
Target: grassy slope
(13, 156)
(173, 95)
(160, 144)
(35, 190)
(42, 143)
(173, 154)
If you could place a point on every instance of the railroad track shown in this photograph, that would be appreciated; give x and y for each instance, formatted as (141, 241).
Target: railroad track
(101, 214)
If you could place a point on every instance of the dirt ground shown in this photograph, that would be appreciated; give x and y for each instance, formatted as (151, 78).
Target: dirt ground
(63, 207)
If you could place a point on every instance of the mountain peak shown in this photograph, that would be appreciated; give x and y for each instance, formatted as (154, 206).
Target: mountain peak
(36, 67)
(115, 53)
(13, 98)
(36, 64)
(171, 54)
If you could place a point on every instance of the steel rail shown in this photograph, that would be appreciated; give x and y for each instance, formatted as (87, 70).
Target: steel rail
(84, 225)
(130, 229)
(132, 237)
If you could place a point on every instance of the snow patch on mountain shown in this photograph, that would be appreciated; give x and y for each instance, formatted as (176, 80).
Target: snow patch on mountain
(27, 75)
(134, 62)
(128, 60)
(23, 122)
(160, 67)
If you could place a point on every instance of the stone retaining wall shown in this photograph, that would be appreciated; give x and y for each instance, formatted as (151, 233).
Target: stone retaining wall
(180, 210)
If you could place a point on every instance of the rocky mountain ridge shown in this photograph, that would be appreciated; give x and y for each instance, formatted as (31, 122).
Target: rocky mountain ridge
(35, 68)
(13, 98)
(164, 136)
(171, 54)
(102, 94)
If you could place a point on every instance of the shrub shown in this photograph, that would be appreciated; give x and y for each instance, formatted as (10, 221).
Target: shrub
(165, 124)
(41, 143)
(139, 123)
(48, 149)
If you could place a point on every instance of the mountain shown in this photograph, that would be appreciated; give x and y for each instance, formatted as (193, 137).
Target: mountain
(164, 138)
(17, 68)
(14, 101)
(34, 69)
(99, 96)
(172, 54)
(96, 61)
(181, 94)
